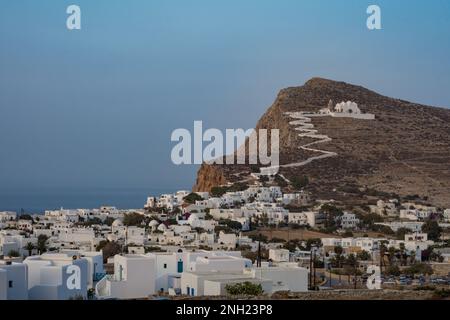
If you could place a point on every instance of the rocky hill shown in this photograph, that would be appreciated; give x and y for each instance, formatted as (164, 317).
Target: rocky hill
(405, 150)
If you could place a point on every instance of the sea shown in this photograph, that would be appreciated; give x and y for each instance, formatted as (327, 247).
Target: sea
(37, 200)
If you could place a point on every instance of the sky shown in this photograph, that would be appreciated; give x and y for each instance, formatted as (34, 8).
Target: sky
(95, 108)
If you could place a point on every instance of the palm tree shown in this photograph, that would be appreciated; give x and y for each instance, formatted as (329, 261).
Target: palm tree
(391, 255)
(402, 254)
(338, 250)
(30, 247)
(42, 243)
(383, 250)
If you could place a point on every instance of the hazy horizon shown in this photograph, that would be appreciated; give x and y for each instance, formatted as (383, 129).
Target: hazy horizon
(94, 108)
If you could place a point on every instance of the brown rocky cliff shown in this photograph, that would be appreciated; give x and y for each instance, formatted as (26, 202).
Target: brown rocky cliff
(405, 150)
(209, 176)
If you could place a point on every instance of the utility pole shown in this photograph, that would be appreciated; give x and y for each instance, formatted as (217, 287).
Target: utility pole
(314, 266)
(381, 262)
(326, 267)
(340, 271)
(310, 270)
(329, 276)
(258, 259)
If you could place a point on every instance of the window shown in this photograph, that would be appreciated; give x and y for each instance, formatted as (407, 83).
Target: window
(10, 284)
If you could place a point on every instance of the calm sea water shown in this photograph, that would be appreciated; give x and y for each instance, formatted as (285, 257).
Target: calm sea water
(39, 200)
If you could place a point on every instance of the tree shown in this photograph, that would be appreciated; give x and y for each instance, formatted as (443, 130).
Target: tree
(300, 182)
(367, 221)
(245, 288)
(401, 232)
(26, 217)
(208, 216)
(109, 221)
(383, 250)
(338, 250)
(419, 268)
(14, 253)
(133, 219)
(277, 240)
(280, 181)
(431, 227)
(234, 225)
(42, 243)
(351, 260)
(30, 247)
(347, 234)
(391, 251)
(192, 197)
(218, 191)
(313, 242)
(110, 249)
(393, 271)
(402, 253)
(258, 237)
(363, 255)
(91, 221)
(331, 213)
(294, 226)
(223, 228)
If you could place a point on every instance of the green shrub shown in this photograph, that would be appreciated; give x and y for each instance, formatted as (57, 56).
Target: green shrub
(244, 288)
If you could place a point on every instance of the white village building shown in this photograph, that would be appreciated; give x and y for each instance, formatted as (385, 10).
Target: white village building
(13, 281)
(134, 277)
(57, 277)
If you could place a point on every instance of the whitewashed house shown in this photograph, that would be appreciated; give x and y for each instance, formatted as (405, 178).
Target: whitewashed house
(279, 255)
(446, 215)
(135, 235)
(76, 235)
(13, 281)
(151, 203)
(285, 277)
(57, 277)
(95, 268)
(169, 266)
(383, 208)
(311, 218)
(6, 216)
(12, 240)
(414, 226)
(348, 221)
(211, 275)
(134, 277)
(227, 240)
(298, 199)
(25, 225)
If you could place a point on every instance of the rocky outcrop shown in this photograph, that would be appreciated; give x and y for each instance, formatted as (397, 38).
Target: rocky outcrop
(209, 176)
(404, 150)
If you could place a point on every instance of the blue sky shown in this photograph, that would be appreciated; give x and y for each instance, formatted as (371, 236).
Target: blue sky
(95, 108)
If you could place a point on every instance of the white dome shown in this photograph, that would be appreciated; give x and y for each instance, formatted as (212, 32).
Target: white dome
(162, 227)
(153, 223)
(117, 223)
(193, 217)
